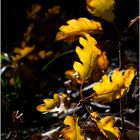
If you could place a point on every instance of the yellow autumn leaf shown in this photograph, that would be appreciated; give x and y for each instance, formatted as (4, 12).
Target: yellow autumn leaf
(77, 28)
(59, 104)
(103, 61)
(102, 8)
(108, 90)
(22, 52)
(51, 103)
(106, 126)
(74, 76)
(88, 56)
(73, 132)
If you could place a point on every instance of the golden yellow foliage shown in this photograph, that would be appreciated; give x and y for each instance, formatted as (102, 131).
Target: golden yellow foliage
(108, 90)
(77, 28)
(106, 126)
(73, 132)
(102, 8)
(74, 76)
(88, 57)
(91, 64)
(22, 52)
(58, 104)
(103, 61)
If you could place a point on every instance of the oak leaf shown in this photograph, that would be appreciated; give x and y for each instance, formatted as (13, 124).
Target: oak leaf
(106, 126)
(88, 56)
(107, 90)
(76, 28)
(102, 8)
(91, 64)
(60, 104)
(74, 76)
(73, 132)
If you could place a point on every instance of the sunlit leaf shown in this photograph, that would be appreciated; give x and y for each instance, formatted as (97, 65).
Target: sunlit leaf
(77, 28)
(74, 76)
(88, 56)
(102, 8)
(106, 126)
(58, 104)
(73, 132)
(109, 89)
(91, 64)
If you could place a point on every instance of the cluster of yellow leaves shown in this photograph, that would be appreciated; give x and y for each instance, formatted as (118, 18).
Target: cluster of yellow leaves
(73, 132)
(102, 8)
(60, 103)
(106, 126)
(24, 50)
(91, 60)
(77, 28)
(107, 90)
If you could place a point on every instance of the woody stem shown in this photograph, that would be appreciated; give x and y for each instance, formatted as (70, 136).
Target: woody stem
(120, 65)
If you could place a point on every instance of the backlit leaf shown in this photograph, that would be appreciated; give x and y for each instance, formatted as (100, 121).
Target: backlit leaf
(106, 126)
(102, 8)
(108, 90)
(60, 103)
(73, 132)
(77, 28)
(88, 56)
(91, 64)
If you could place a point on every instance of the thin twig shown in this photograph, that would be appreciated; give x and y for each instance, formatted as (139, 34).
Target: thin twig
(120, 65)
